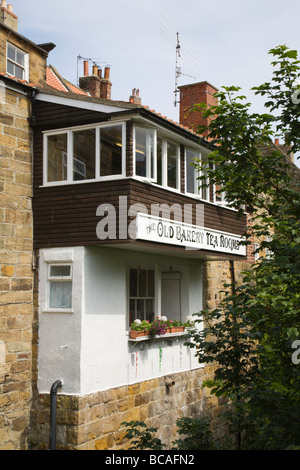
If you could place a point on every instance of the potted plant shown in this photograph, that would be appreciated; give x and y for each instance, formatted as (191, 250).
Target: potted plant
(177, 326)
(139, 328)
(158, 327)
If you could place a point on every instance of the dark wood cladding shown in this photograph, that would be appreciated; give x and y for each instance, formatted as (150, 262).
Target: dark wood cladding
(215, 217)
(56, 116)
(66, 215)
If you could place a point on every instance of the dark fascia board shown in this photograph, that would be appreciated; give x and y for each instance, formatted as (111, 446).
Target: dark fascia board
(131, 109)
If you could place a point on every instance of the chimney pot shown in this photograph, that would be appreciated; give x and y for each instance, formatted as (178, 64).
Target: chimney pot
(135, 96)
(95, 70)
(100, 72)
(9, 19)
(106, 73)
(276, 141)
(86, 68)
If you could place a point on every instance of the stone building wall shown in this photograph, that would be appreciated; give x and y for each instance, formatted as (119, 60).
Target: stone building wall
(94, 422)
(16, 274)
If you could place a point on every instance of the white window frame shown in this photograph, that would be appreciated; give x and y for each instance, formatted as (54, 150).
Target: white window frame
(25, 67)
(156, 289)
(148, 176)
(70, 160)
(198, 187)
(222, 195)
(51, 279)
(164, 159)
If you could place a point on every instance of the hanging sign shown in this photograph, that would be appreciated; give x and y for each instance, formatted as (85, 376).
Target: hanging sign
(157, 229)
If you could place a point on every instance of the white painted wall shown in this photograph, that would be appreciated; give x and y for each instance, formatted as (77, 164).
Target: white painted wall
(89, 348)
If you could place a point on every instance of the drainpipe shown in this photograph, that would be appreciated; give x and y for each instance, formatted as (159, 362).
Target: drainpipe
(53, 395)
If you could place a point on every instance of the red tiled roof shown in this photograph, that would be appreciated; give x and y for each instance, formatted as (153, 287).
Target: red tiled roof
(53, 81)
(18, 80)
(56, 81)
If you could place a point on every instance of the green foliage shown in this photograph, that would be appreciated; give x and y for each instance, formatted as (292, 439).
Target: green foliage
(250, 334)
(142, 437)
(196, 435)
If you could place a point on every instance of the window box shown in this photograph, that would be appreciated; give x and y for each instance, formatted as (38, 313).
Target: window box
(177, 329)
(159, 328)
(137, 334)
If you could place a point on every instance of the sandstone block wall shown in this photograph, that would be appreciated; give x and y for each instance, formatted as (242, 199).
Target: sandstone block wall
(94, 422)
(16, 274)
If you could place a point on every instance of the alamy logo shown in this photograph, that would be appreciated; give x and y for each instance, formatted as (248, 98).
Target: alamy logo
(296, 93)
(296, 354)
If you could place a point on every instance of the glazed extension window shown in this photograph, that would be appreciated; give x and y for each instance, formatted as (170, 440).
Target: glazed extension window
(17, 62)
(168, 169)
(196, 180)
(59, 287)
(145, 152)
(84, 154)
(141, 294)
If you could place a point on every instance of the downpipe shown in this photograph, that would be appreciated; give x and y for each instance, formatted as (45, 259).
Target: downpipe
(53, 401)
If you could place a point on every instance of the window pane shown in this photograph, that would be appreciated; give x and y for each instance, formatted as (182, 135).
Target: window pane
(10, 68)
(150, 310)
(150, 283)
(60, 294)
(60, 271)
(133, 283)
(172, 157)
(191, 184)
(143, 283)
(159, 160)
(84, 154)
(144, 152)
(204, 190)
(140, 307)
(20, 57)
(11, 52)
(140, 152)
(57, 157)
(18, 72)
(111, 151)
(132, 314)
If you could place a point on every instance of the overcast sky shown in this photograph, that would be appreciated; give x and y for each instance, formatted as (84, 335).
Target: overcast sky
(225, 42)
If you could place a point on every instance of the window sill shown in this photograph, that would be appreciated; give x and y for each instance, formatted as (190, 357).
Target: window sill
(150, 337)
(58, 310)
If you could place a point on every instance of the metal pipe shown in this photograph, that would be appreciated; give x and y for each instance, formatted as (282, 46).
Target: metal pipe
(53, 395)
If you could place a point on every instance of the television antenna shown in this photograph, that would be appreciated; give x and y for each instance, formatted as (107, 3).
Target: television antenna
(99, 63)
(184, 53)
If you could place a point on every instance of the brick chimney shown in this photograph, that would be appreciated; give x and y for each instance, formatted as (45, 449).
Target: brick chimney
(106, 84)
(94, 84)
(135, 97)
(201, 92)
(7, 16)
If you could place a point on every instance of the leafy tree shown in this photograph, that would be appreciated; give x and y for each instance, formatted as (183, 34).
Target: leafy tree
(251, 334)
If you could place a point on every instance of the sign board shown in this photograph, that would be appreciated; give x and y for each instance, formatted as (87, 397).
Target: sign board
(193, 237)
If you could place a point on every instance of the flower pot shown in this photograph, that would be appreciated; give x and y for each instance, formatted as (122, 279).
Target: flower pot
(136, 334)
(177, 329)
